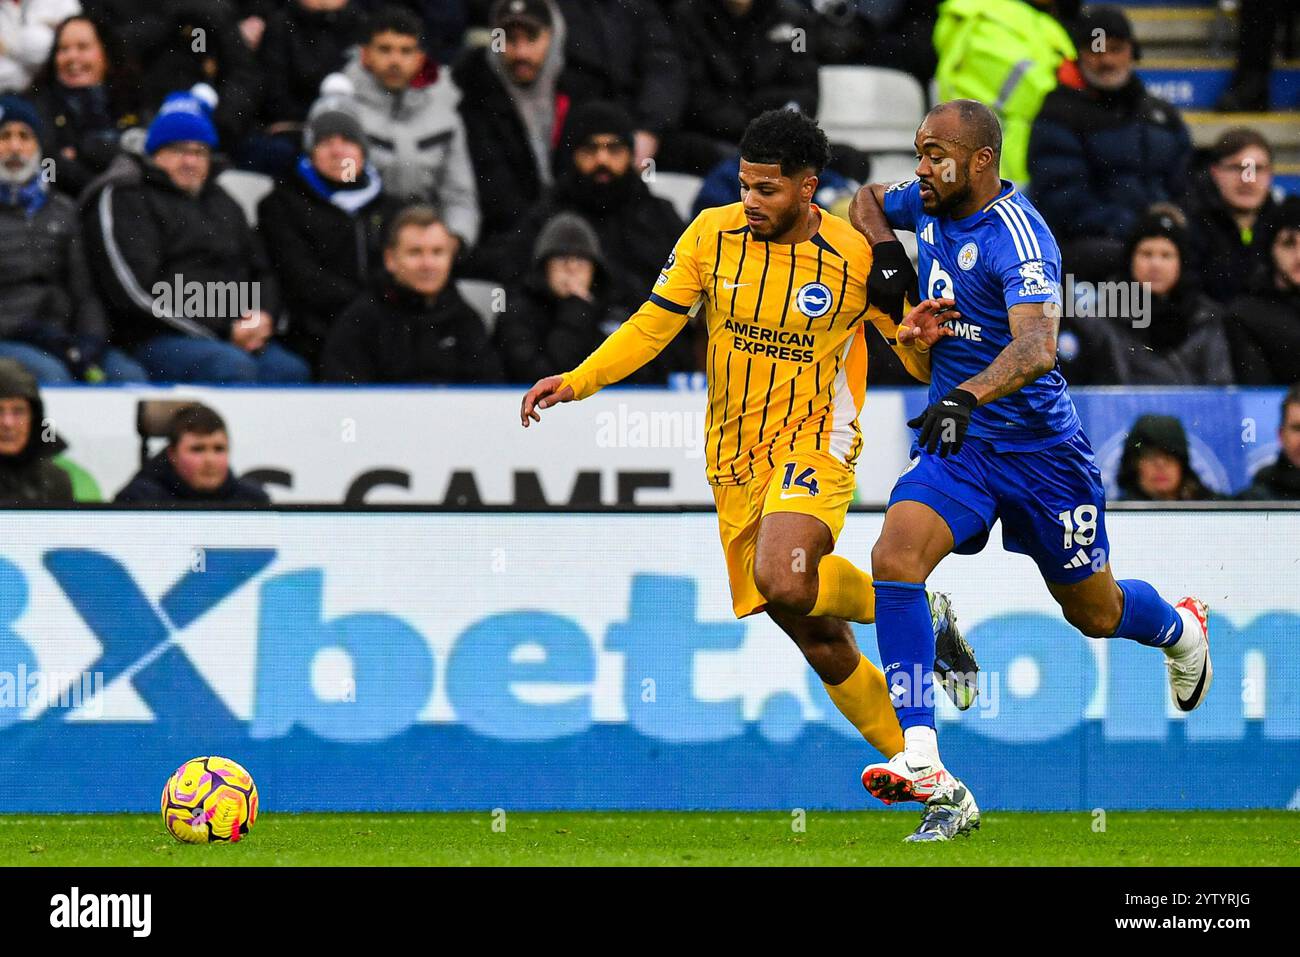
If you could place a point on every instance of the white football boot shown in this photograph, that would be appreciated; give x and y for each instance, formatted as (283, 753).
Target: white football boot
(951, 811)
(1188, 659)
(906, 776)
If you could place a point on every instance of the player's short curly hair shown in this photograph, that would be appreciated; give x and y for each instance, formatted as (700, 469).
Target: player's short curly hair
(788, 138)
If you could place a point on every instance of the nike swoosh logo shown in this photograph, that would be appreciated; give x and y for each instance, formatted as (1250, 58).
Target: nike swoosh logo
(1196, 692)
(728, 284)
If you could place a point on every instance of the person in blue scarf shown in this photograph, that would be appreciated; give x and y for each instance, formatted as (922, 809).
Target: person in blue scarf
(324, 223)
(51, 319)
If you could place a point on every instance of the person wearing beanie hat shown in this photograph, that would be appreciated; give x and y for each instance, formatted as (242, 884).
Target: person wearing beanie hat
(1100, 155)
(190, 288)
(28, 474)
(561, 313)
(51, 318)
(324, 223)
(1264, 323)
(1171, 333)
(637, 230)
(184, 117)
(1156, 465)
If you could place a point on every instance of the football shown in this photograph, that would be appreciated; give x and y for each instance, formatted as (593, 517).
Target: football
(209, 800)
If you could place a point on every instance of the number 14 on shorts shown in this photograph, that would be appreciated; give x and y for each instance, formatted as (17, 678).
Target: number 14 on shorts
(805, 480)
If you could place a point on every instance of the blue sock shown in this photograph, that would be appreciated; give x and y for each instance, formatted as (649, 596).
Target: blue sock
(1148, 619)
(905, 634)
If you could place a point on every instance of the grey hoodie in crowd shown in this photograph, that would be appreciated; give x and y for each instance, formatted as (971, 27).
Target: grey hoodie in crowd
(536, 102)
(417, 142)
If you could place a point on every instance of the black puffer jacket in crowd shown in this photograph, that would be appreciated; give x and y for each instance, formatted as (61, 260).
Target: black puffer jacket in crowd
(31, 477)
(325, 257)
(1279, 482)
(140, 229)
(1184, 343)
(1216, 252)
(88, 122)
(46, 291)
(393, 335)
(505, 169)
(299, 49)
(1098, 159)
(159, 483)
(1264, 331)
(738, 67)
(623, 51)
(637, 231)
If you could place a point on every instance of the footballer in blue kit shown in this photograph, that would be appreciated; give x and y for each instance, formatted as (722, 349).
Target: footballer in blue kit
(1000, 440)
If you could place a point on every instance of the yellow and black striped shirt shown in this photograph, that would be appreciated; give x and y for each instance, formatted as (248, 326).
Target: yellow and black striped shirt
(787, 359)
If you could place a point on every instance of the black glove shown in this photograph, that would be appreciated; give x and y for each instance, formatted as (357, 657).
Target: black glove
(891, 279)
(943, 425)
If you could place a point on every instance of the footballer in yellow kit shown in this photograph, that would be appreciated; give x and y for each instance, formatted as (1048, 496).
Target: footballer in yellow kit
(782, 287)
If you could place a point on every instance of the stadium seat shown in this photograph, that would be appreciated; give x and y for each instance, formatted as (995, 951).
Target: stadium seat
(247, 189)
(152, 419)
(479, 294)
(871, 108)
(680, 189)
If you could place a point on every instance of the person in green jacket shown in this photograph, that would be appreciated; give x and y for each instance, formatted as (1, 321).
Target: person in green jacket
(1006, 54)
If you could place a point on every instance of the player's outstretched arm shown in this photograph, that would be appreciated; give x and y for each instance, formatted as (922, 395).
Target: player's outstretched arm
(546, 393)
(1030, 354)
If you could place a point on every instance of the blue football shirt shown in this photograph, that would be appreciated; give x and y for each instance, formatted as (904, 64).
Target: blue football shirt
(988, 262)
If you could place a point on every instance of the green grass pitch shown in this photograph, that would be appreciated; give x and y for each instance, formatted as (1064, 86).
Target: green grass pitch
(1149, 838)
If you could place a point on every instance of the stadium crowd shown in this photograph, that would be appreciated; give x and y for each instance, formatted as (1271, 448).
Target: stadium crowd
(414, 144)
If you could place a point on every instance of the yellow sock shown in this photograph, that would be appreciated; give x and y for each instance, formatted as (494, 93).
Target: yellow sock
(844, 591)
(863, 698)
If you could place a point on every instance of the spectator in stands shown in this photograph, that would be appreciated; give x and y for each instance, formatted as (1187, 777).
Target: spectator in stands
(626, 53)
(159, 228)
(896, 34)
(1007, 53)
(741, 59)
(1100, 155)
(28, 473)
(1281, 480)
(304, 42)
(194, 468)
(1179, 340)
(323, 225)
(637, 230)
(200, 42)
(417, 139)
(86, 96)
(26, 34)
(1156, 464)
(443, 25)
(560, 314)
(513, 112)
(412, 326)
(1258, 22)
(51, 318)
(1264, 324)
(1224, 207)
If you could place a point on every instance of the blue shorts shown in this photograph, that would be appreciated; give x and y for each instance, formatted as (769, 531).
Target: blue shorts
(1051, 502)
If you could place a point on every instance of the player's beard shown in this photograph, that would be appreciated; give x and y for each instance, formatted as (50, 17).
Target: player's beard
(944, 205)
(778, 227)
